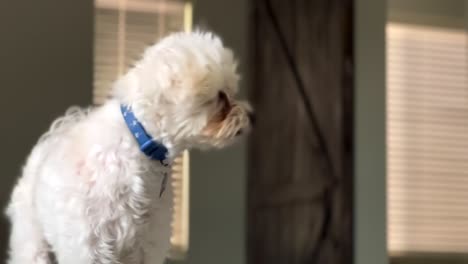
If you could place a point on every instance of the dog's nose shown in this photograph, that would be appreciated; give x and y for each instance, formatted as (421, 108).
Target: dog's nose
(252, 118)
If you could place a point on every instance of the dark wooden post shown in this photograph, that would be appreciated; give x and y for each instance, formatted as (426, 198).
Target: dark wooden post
(300, 175)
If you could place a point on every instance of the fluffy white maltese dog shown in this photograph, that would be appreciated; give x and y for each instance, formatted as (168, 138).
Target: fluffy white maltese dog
(94, 187)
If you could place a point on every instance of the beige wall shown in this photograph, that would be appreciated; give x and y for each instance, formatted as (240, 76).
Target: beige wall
(446, 13)
(45, 66)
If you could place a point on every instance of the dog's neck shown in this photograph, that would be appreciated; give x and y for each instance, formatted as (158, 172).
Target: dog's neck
(157, 132)
(154, 115)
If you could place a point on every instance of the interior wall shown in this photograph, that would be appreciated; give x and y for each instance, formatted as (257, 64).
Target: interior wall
(45, 66)
(453, 8)
(370, 152)
(447, 13)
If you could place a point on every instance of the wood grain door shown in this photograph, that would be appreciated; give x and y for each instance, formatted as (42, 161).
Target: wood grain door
(300, 160)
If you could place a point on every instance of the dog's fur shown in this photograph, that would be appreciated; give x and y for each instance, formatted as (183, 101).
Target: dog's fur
(89, 194)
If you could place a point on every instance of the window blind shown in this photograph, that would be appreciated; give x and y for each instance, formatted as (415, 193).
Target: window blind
(123, 29)
(427, 139)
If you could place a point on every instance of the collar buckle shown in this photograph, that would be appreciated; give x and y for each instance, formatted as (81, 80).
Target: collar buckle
(154, 150)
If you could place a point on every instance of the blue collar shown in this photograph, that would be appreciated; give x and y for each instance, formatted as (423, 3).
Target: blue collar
(151, 148)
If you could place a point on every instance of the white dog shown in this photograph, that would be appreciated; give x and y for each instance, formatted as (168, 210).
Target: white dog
(92, 190)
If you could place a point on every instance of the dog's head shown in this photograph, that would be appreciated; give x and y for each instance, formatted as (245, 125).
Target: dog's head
(185, 88)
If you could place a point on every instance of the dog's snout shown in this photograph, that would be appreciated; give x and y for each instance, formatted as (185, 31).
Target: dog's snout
(252, 118)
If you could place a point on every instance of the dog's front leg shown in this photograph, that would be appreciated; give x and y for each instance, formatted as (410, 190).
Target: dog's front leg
(111, 246)
(157, 236)
(114, 237)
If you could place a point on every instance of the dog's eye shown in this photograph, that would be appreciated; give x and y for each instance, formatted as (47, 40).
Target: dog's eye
(224, 104)
(222, 97)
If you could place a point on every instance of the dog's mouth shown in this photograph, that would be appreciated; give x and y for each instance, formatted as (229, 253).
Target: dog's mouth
(227, 126)
(242, 131)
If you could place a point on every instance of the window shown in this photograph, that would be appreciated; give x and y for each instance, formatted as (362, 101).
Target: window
(123, 29)
(427, 140)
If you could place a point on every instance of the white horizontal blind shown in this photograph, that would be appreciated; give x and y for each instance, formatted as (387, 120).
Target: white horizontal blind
(106, 59)
(180, 224)
(123, 29)
(427, 139)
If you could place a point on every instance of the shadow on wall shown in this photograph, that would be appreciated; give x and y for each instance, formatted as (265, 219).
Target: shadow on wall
(46, 65)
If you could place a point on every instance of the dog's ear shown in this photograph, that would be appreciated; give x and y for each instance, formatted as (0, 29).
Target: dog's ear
(202, 26)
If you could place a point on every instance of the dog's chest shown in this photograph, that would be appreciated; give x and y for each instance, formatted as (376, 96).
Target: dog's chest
(149, 192)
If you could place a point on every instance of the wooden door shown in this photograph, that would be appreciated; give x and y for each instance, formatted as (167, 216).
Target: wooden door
(300, 161)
